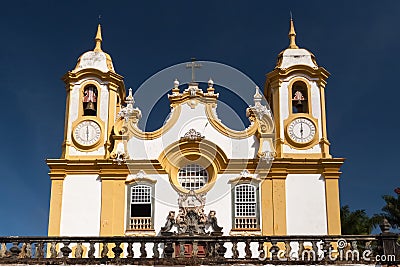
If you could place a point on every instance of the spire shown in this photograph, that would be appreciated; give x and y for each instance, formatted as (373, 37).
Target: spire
(292, 35)
(98, 39)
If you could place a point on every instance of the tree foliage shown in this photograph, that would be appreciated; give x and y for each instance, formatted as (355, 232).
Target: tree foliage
(391, 211)
(356, 222)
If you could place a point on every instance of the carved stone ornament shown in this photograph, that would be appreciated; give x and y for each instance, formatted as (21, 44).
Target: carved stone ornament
(119, 155)
(191, 219)
(129, 112)
(267, 156)
(192, 135)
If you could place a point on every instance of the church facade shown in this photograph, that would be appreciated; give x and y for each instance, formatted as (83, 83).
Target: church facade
(276, 177)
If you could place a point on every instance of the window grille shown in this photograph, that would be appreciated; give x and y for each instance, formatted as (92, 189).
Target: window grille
(192, 177)
(140, 217)
(140, 194)
(245, 207)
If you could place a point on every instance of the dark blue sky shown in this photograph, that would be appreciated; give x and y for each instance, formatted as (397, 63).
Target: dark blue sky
(356, 41)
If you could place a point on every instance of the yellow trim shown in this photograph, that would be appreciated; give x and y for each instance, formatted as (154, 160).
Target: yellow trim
(96, 145)
(115, 86)
(135, 131)
(55, 205)
(267, 208)
(112, 218)
(279, 203)
(81, 95)
(220, 127)
(332, 206)
(182, 153)
(288, 141)
(331, 175)
(290, 96)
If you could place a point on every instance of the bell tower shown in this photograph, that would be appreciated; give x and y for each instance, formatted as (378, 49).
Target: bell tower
(295, 90)
(94, 94)
(305, 173)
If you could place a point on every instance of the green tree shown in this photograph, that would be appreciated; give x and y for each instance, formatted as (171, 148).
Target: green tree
(356, 222)
(391, 211)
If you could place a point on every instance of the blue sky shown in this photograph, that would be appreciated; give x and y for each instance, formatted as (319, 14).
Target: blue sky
(357, 42)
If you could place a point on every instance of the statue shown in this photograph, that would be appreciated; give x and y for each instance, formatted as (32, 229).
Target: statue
(191, 218)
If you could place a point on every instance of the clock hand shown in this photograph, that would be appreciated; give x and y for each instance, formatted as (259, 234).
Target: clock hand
(87, 133)
(301, 129)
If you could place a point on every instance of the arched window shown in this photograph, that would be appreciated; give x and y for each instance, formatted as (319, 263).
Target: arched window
(299, 97)
(192, 177)
(245, 207)
(90, 100)
(140, 207)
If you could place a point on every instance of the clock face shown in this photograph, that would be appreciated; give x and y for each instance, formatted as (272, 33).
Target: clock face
(87, 133)
(301, 130)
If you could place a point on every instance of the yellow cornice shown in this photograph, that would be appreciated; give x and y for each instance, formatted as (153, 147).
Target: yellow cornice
(329, 167)
(114, 80)
(59, 168)
(321, 73)
(186, 97)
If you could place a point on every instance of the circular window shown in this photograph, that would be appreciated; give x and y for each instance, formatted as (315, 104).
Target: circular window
(192, 177)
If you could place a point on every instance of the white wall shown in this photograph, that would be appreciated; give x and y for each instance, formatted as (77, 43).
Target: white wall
(305, 204)
(81, 204)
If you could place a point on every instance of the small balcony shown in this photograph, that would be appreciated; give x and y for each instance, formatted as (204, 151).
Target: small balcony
(140, 223)
(201, 250)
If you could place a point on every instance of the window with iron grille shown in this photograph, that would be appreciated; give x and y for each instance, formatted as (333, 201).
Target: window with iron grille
(192, 177)
(245, 207)
(140, 210)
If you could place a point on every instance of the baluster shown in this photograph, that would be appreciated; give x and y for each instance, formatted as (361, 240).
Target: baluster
(247, 249)
(3, 250)
(261, 250)
(15, 250)
(288, 248)
(65, 250)
(274, 250)
(130, 251)
(117, 250)
(181, 249)
(91, 251)
(22, 254)
(143, 253)
(354, 245)
(168, 249)
(156, 253)
(104, 251)
(235, 252)
(326, 249)
(315, 249)
(196, 249)
(210, 249)
(28, 250)
(53, 250)
(221, 249)
(78, 251)
(301, 249)
(39, 253)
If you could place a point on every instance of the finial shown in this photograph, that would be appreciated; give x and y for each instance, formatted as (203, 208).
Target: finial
(257, 95)
(176, 84)
(129, 99)
(98, 39)
(292, 34)
(210, 83)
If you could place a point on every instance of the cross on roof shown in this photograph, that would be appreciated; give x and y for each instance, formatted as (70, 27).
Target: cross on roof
(193, 65)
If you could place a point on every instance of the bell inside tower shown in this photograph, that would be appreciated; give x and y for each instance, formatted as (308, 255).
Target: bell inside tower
(90, 100)
(299, 98)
